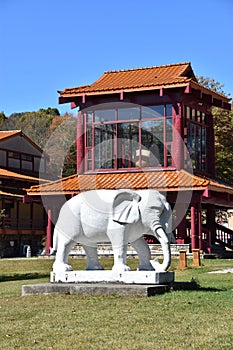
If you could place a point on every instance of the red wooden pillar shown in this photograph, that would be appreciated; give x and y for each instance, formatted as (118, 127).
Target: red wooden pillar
(199, 226)
(49, 232)
(182, 226)
(18, 215)
(80, 144)
(177, 145)
(181, 232)
(194, 237)
(31, 216)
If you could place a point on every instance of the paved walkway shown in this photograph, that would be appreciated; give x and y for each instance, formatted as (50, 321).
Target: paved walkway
(223, 271)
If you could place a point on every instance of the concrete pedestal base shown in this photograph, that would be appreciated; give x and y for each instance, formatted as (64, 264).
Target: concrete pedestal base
(95, 289)
(126, 277)
(138, 283)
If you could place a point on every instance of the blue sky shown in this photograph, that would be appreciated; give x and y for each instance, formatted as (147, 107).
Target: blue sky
(48, 45)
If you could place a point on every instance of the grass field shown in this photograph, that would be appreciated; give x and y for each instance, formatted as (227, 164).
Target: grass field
(198, 318)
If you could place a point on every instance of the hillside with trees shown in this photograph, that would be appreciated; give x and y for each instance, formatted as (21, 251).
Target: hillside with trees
(54, 133)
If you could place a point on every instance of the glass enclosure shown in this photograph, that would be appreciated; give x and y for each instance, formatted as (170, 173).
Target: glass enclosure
(130, 137)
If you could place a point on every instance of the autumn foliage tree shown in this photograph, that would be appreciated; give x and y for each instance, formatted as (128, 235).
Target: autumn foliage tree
(54, 133)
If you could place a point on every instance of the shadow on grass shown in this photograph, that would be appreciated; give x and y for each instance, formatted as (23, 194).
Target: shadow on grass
(20, 277)
(193, 285)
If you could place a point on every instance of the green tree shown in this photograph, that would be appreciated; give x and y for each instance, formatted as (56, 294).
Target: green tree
(61, 146)
(223, 128)
(2, 118)
(212, 84)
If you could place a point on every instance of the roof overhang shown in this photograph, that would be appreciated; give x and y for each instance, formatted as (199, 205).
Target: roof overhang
(7, 174)
(11, 195)
(213, 98)
(170, 181)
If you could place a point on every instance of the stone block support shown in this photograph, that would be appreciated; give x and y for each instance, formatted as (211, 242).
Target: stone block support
(196, 257)
(183, 260)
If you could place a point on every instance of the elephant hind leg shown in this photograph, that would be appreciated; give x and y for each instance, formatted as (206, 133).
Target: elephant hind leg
(144, 254)
(92, 258)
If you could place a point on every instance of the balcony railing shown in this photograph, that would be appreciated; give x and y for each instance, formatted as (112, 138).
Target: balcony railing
(224, 235)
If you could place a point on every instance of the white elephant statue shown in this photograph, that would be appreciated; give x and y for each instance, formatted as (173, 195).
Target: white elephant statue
(116, 216)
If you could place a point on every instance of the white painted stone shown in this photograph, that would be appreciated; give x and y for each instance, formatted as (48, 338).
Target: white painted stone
(127, 277)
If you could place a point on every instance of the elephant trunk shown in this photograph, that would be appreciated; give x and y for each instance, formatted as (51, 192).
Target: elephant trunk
(162, 237)
(166, 251)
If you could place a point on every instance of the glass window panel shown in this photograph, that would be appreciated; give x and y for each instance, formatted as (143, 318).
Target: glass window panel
(129, 113)
(104, 146)
(105, 115)
(197, 146)
(89, 117)
(188, 112)
(13, 155)
(169, 157)
(168, 129)
(89, 135)
(193, 113)
(14, 163)
(26, 165)
(89, 159)
(203, 161)
(89, 154)
(153, 140)
(26, 157)
(169, 110)
(153, 111)
(127, 144)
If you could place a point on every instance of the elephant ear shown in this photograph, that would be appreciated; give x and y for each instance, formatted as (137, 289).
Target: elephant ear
(125, 207)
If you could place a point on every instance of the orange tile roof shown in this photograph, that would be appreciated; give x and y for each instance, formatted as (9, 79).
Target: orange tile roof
(219, 186)
(168, 180)
(8, 133)
(139, 79)
(4, 173)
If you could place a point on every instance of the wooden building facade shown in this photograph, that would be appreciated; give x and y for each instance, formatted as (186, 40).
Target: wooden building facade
(21, 224)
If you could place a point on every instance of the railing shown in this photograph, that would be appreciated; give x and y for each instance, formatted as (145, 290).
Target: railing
(224, 236)
(105, 249)
(206, 239)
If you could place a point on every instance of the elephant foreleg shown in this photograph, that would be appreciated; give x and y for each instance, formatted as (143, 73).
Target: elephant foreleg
(92, 258)
(116, 234)
(62, 255)
(144, 254)
(120, 258)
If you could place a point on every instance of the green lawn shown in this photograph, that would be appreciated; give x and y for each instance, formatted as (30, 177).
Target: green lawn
(198, 318)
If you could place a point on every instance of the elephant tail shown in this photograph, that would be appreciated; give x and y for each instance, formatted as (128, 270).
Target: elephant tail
(55, 242)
